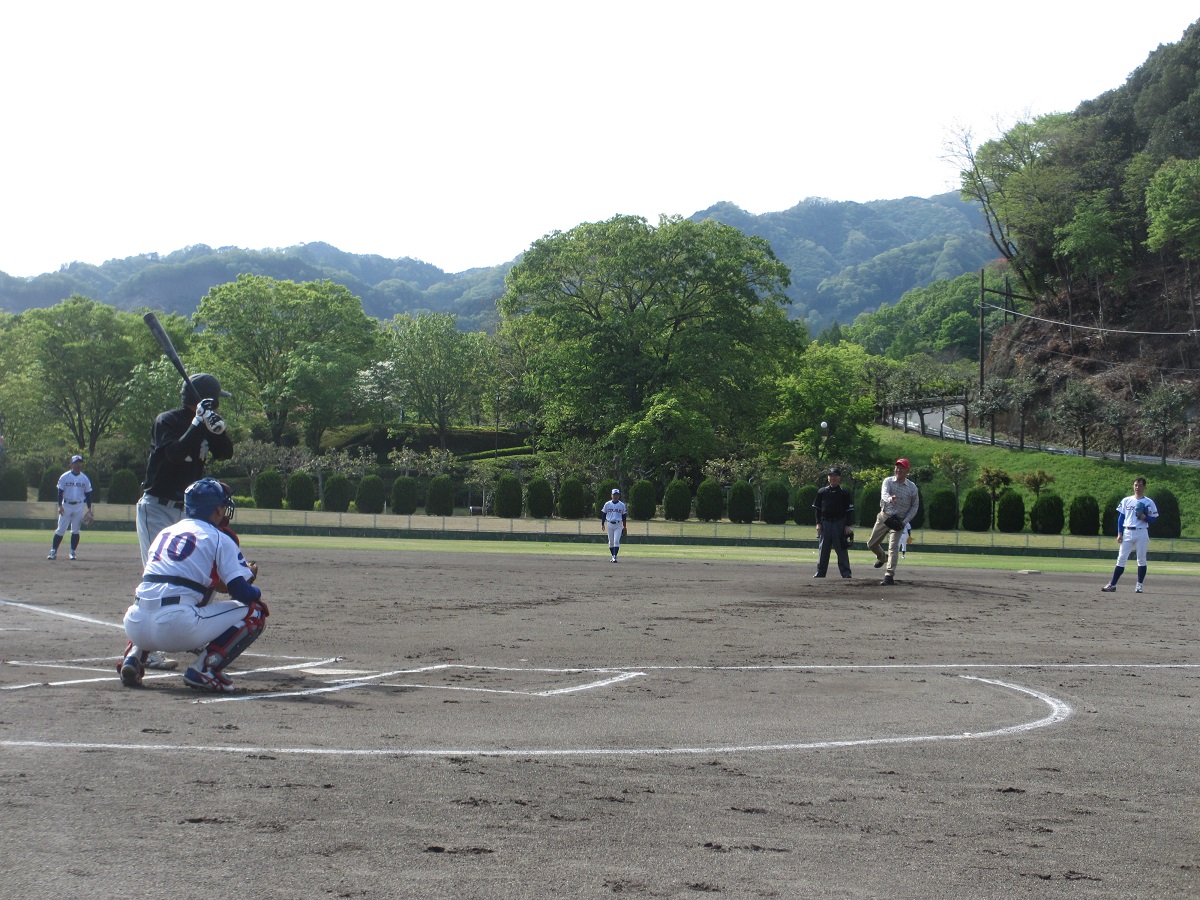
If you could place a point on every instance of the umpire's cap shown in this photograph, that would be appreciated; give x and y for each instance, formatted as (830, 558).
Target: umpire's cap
(833, 470)
(207, 386)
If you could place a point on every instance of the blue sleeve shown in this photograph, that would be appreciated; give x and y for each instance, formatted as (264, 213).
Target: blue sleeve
(1120, 521)
(60, 496)
(88, 498)
(241, 589)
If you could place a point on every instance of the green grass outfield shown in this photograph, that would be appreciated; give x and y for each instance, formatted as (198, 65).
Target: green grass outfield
(633, 552)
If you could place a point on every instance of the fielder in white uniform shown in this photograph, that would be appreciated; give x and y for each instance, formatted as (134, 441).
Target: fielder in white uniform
(1135, 515)
(74, 500)
(174, 609)
(614, 516)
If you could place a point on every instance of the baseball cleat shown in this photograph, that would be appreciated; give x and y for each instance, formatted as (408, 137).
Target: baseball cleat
(1109, 588)
(207, 680)
(879, 563)
(71, 557)
(131, 672)
(1138, 588)
(53, 555)
(156, 660)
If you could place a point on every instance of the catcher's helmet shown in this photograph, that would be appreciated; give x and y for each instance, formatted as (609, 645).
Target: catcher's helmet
(207, 386)
(204, 496)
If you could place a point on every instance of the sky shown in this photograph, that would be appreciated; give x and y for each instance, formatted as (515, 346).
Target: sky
(458, 132)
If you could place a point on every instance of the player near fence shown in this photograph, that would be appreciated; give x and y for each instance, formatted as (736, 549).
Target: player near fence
(1135, 514)
(74, 506)
(898, 503)
(614, 519)
(174, 607)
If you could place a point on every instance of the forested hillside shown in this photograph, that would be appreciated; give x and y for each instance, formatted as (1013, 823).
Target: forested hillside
(846, 258)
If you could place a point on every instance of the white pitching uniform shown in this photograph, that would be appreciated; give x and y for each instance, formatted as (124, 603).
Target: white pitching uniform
(167, 614)
(614, 514)
(1135, 530)
(75, 488)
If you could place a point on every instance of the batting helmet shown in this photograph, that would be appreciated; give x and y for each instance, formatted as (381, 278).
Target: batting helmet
(207, 386)
(205, 496)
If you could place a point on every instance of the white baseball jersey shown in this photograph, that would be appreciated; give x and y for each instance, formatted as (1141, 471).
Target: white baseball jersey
(188, 551)
(75, 488)
(1128, 509)
(614, 511)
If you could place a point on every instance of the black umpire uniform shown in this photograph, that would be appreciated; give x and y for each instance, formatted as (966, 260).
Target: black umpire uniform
(834, 506)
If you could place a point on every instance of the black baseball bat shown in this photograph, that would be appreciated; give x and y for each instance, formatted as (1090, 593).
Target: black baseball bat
(164, 341)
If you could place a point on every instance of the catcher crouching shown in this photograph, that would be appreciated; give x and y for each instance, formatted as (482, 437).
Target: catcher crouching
(174, 609)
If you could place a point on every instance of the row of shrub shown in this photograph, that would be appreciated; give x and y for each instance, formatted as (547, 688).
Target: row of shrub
(711, 503)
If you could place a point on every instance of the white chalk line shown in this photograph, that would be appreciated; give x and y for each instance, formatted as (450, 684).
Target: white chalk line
(307, 662)
(1059, 711)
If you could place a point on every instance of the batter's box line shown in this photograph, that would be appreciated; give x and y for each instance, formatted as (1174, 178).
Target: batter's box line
(308, 662)
(617, 676)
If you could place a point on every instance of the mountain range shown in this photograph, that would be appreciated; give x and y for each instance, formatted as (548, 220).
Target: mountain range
(846, 258)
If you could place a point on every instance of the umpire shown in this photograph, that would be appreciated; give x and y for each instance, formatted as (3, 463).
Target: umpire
(834, 506)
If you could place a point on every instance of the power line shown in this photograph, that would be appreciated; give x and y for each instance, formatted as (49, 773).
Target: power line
(1014, 313)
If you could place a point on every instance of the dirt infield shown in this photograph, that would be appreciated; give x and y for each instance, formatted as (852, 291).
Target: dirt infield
(470, 725)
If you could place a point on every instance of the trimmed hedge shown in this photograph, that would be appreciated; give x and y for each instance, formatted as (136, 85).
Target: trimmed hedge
(1168, 524)
(604, 494)
(48, 487)
(977, 510)
(572, 499)
(13, 485)
(1047, 516)
(802, 507)
(1108, 517)
(370, 497)
(404, 495)
(124, 487)
(508, 501)
(1083, 518)
(868, 508)
(301, 492)
(338, 491)
(943, 511)
(539, 498)
(677, 501)
(741, 503)
(268, 490)
(775, 503)
(1010, 513)
(710, 501)
(643, 501)
(440, 499)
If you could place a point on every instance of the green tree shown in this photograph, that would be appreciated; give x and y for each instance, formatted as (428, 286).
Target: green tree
(1083, 517)
(954, 468)
(1034, 482)
(268, 490)
(370, 496)
(977, 510)
(404, 495)
(572, 500)
(1092, 242)
(84, 354)
(994, 481)
(301, 491)
(1046, 516)
(339, 490)
(612, 314)
(1164, 412)
(1010, 513)
(943, 511)
(508, 497)
(1078, 408)
(1173, 207)
(802, 506)
(1168, 524)
(539, 498)
(710, 501)
(439, 500)
(283, 341)
(124, 487)
(827, 385)
(441, 367)
(741, 503)
(775, 502)
(643, 501)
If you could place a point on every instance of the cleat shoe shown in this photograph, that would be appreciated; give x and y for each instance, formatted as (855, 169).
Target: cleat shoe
(1109, 588)
(72, 556)
(53, 555)
(879, 563)
(614, 559)
(818, 575)
(887, 579)
(131, 672)
(207, 680)
(1138, 588)
(156, 660)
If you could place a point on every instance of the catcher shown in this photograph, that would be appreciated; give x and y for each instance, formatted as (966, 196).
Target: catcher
(173, 609)
(614, 520)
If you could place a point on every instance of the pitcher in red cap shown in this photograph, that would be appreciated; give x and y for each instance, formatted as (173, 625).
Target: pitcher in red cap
(898, 503)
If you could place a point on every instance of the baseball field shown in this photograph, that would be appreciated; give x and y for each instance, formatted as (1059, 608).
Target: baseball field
(526, 722)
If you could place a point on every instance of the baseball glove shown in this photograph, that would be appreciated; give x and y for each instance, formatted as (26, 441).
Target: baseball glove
(89, 517)
(894, 523)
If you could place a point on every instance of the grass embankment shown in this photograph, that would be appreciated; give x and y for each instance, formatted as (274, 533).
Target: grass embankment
(1073, 475)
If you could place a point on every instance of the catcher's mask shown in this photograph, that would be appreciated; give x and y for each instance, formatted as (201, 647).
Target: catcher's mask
(205, 496)
(230, 506)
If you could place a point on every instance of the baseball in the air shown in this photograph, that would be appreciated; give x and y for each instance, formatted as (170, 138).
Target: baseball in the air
(824, 424)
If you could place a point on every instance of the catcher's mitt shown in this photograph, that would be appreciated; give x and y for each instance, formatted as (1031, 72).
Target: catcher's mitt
(848, 540)
(894, 523)
(89, 517)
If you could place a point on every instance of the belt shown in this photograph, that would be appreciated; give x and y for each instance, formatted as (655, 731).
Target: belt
(73, 502)
(174, 504)
(164, 601)
(177, 581)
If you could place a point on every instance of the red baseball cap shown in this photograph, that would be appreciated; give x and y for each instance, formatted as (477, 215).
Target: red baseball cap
(903, 462)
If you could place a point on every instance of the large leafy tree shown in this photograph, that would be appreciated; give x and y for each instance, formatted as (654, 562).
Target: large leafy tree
(612, 317)
(84, 353)
(444, 370)
(293, 349)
